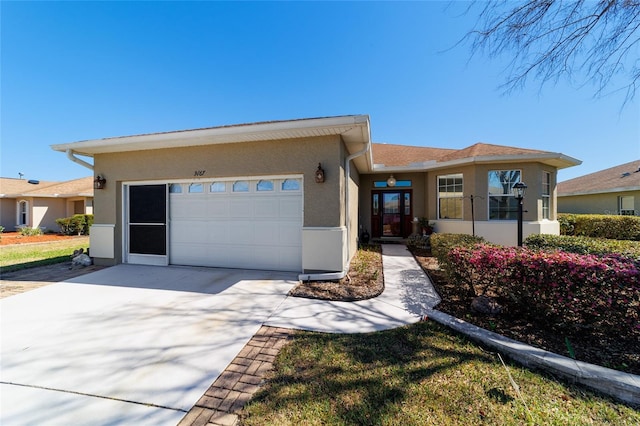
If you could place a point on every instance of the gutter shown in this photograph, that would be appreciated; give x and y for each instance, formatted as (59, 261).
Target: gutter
(75, 159)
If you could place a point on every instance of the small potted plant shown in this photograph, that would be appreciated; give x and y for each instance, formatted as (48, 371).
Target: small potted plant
(427, 227)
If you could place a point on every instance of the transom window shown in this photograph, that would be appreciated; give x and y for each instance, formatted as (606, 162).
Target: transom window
(399, 184)
(241, 186)
(218, 187)
(546, 195)
(502, 203)
(196, 188)
(450, 196)
(264, 185)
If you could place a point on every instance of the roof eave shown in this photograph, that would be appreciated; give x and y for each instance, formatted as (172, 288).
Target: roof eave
(560, 161)
(350, 128)
(600, 191)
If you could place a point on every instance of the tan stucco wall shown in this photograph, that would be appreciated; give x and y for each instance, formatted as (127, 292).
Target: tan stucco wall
(596, 203)
(475, 182)
(8, 213)
(46, 211)
(323, 204)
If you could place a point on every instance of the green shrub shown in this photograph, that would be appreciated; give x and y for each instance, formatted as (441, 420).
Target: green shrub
(583, 245)
(28, 231)
(77, 224)
(442, 243)
(419, 241)
(600, 226)
(1, 231)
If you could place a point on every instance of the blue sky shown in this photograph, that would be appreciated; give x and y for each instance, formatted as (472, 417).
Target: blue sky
(74, 71)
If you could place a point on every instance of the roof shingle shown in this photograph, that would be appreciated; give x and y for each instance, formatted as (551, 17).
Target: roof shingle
(623, 177)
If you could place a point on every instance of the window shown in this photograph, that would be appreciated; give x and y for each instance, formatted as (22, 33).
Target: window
(399, 184)
(264, 185)
(376, 204)
(175, 188)
(23, 216)
(626, 205)
(502, 204)
(450, 196)
(291, 185)
(218, 187)
(196, 188)
(546, 195)
(241, 186)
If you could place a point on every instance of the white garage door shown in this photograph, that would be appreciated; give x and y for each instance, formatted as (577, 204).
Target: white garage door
(243, 223)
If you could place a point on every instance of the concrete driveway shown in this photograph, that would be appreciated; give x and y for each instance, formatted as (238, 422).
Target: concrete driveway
(128, 344)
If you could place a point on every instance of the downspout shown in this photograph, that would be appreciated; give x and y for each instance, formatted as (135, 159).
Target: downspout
(347, 172)
(75, 159)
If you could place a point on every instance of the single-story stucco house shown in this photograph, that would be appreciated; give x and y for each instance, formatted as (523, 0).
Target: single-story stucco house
(295, 195)
(37, 204)
(615, 190)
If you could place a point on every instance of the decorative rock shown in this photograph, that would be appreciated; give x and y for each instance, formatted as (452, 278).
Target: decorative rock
(81, 260)
(486, 305)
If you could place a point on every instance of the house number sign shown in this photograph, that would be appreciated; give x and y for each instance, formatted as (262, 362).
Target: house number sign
(199, 173)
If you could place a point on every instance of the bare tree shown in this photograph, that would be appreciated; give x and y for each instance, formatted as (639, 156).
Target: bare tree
(586, 41)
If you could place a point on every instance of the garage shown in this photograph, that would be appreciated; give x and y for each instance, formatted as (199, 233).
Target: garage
(252, 223)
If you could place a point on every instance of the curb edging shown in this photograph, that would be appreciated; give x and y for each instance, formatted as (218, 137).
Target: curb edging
(617, 384)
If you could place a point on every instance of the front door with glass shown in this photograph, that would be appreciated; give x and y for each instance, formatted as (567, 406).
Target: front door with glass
(391, 214)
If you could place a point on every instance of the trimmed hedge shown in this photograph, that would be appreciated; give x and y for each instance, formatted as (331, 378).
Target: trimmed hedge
(583, 245)
(442, 243)
(600, 226)
(555, 289)
(77, 224)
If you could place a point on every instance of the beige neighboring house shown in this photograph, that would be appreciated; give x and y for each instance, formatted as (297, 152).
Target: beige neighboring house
(611, 191)
(38, 204)
(297, 195)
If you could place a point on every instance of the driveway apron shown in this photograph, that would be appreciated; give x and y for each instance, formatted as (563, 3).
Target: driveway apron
(128, 344)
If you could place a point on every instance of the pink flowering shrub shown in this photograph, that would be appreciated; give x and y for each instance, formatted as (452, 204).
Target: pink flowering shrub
(559, 289)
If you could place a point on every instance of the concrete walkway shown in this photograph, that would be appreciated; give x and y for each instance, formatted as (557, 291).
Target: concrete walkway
(407, 295)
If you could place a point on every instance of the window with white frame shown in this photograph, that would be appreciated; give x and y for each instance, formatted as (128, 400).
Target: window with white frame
(241, 186)
(217, 187)
(546, 195)
(502, 203)
(290, 185)
(196, 188)
(175, 188)
(23, 213)
(626, 205)
(450, 196)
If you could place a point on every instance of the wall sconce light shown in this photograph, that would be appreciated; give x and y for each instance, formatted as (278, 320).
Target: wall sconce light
(99, 182)
(320, 174)
(391, 182)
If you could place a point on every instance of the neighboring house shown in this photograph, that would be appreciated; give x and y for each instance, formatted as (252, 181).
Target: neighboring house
(611, 191)
(38, 204)
(295, 195)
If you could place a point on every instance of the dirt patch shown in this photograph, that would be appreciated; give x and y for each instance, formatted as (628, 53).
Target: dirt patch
(10, 238)
(607, 351)
(364, 280)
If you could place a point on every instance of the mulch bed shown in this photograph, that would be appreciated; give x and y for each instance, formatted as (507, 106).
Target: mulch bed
(10, 238)
(364, 281)
(605, 350)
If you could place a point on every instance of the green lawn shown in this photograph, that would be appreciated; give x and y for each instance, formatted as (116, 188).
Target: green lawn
(21, 256)
(422, 374)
